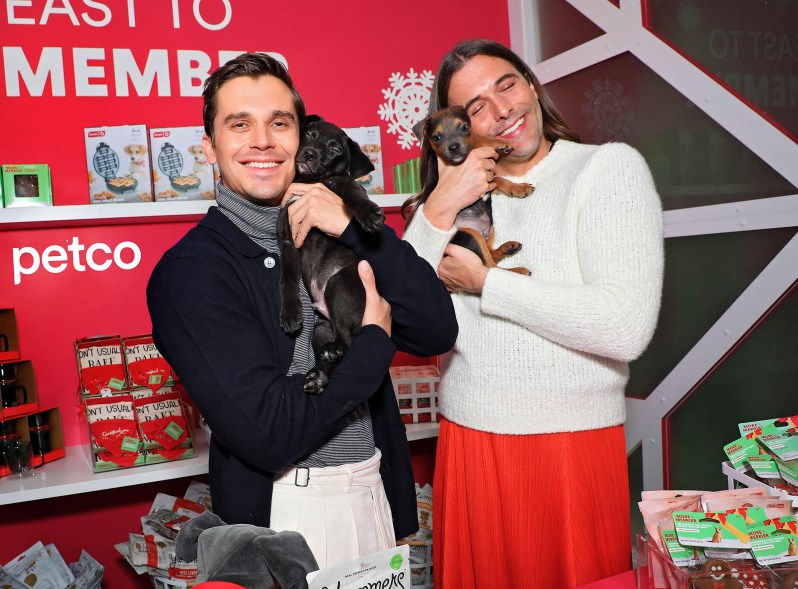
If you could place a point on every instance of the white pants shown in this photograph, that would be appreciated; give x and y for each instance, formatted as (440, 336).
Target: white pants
(342, 511)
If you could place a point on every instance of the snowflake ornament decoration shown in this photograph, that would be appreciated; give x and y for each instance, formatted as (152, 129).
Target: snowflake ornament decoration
(406, 103)
(607, 111)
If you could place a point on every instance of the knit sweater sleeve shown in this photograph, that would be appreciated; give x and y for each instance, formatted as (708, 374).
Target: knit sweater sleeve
(428, 241)
(612, 311)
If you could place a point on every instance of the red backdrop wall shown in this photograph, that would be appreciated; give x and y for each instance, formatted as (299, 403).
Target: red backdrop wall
(63, 68)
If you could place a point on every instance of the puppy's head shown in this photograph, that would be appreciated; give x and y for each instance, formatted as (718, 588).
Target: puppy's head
(448, 133)
(134, 150)
(196, 151)
(326, 151)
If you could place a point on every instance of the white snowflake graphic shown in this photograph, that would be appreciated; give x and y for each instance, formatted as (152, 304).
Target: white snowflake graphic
(607, 111)
(406, 103)
(689, 14)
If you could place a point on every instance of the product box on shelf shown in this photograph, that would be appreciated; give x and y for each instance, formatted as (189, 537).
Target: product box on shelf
(180, 170)
(407, 177)
(416, 389)
(19, 393)
(101, 364)
(656, 570)
(124, 430)
(46, 434)
(9, 336)
(26, 185)
(118, 164)
(368, 138)
(145, 365)
(42, 429)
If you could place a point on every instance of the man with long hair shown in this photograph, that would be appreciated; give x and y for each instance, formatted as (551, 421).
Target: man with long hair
(531, 486)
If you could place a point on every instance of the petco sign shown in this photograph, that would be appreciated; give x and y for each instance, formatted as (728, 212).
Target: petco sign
(55, 258)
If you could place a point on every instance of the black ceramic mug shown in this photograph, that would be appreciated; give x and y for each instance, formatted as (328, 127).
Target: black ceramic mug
(10, 394)
(40, 440)
(8, 372)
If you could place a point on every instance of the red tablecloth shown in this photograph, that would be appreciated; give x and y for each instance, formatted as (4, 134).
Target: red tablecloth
(625, 580)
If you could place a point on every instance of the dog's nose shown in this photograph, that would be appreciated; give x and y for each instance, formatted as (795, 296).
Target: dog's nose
(454, 148)
(310, 154)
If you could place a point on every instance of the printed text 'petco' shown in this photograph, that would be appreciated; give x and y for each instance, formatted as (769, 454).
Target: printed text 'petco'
(55, 258)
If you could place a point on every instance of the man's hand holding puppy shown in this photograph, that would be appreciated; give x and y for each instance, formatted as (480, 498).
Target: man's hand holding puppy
(460, 186)
(378, 311)
(315, 206)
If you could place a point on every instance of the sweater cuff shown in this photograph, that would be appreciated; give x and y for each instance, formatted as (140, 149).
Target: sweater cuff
(428, 241)
(497, 282)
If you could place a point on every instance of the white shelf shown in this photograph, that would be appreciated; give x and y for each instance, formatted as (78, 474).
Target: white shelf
(732, 474)
(119, 213)
(72, 474)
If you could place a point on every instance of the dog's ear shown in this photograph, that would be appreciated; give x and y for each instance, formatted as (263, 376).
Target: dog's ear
(312, 119)
(419, 128)
(359, 162)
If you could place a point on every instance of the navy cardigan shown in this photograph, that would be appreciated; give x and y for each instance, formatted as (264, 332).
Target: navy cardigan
(214, 302)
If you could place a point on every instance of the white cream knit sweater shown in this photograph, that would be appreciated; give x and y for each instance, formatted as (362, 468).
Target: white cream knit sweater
(550, 352)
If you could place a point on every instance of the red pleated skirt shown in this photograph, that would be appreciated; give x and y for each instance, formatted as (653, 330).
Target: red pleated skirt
(538, 511)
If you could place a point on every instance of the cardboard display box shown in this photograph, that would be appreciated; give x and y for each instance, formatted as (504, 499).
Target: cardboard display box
(26, 185)
(9, 336)
(44, 430)
(26, 380)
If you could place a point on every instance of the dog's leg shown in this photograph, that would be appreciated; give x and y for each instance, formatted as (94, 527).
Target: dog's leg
(319, 376)
(473, 240)
(368, 213)
(290, 275)
(508, 248)
(514, 189)
(346, 302)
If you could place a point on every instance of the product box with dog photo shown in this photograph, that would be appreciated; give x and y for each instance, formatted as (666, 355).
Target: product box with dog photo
(180, 170)
(368, 138)
(118, 161)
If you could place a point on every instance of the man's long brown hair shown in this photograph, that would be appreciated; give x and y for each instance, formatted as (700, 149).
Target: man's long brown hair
(554, 126)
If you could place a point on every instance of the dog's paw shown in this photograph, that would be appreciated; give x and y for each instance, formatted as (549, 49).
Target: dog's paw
(521, 190)
(291, 320)
(315, 381)
(371, 217)
(332, 352)
(511, 247)
(504, 149)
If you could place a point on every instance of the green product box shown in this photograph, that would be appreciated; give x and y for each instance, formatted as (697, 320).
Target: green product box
(775, 541)
(26, 185)
(764, 467)
(711, 529)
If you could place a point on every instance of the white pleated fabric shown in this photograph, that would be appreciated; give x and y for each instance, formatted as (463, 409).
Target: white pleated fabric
(342, 511)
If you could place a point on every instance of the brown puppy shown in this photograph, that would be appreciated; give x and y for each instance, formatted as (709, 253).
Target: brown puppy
(447, 134)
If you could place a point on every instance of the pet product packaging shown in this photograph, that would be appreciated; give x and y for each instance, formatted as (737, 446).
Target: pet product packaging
(180, 170)
(368, 138)
(26, 185)
(388, 568)
(101, 364)
(118, 161)
(115, 438)
(145, 365)
(36, 568)
(161, 421)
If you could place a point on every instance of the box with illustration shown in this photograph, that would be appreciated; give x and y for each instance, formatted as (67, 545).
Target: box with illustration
(368, 138)
(118, 161)
(180, 170)
(26, 185)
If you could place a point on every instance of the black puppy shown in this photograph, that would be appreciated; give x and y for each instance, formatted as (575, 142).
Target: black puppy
(448, 134)
(327, 155)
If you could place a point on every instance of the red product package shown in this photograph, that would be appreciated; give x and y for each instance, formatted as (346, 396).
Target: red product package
(113, 429)
(161, 420)
(100, 364)
(145, 365)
